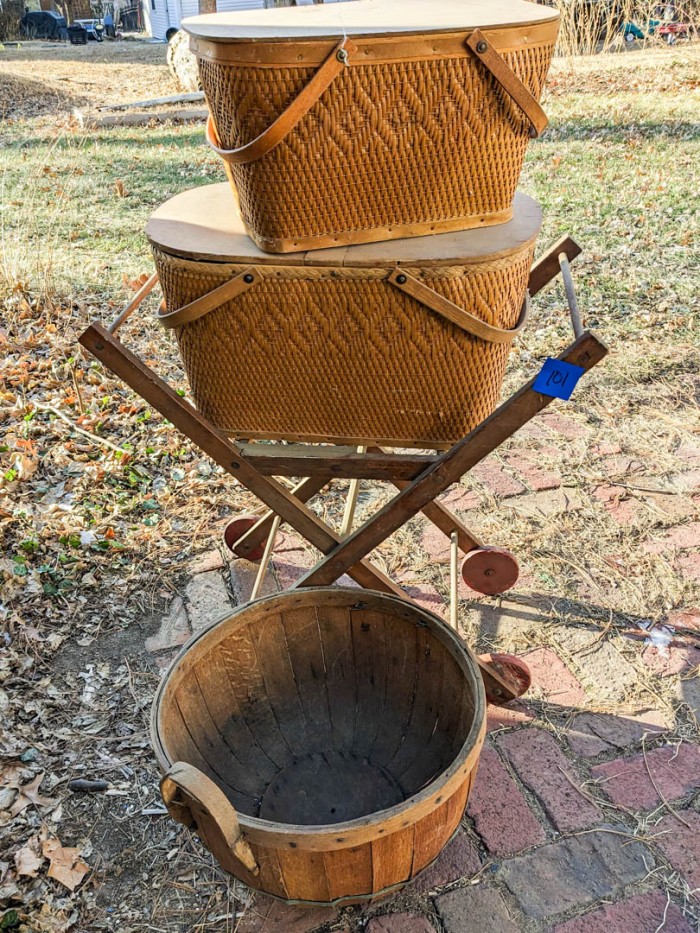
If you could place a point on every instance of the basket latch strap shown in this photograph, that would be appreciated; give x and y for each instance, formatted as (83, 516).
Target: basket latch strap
(212, 300)
(452, 312)
(194, 800)
(289, 118)
(509, 81)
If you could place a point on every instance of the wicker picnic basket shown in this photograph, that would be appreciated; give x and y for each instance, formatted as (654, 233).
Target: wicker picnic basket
(378, 119)
(321, 742)
(402, 343)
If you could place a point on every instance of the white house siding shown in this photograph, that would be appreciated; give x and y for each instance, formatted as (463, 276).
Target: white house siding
(169, 13)
(165, 16)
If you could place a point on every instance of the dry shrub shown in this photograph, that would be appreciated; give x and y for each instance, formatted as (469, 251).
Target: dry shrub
(10, 15)
(589, 26)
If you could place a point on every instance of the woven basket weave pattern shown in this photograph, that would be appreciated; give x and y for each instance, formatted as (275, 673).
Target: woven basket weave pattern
(310, 354)
(403, 143)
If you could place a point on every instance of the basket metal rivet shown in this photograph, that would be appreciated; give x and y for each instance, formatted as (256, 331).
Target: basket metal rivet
(401, 279)
(342, 56)
(481, 47)
(248, 277)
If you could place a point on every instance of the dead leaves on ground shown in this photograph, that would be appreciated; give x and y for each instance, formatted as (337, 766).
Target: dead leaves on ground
(47, 920)
(15, 795)
(66, 864)
(29, 859)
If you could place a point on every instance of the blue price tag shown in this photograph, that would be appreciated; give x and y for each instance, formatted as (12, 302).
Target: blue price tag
(558, 379)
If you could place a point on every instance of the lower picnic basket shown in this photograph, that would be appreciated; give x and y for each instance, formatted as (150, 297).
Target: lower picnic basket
(402, 343)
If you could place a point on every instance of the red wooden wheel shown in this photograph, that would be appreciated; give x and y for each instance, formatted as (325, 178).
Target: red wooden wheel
(490, 570)
(235, 530)
(510, 668)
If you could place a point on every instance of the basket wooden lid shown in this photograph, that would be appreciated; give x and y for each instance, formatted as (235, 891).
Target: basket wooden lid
(366, 18)
(202, 223)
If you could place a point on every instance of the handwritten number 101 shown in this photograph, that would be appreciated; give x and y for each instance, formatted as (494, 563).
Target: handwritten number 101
(557, 378)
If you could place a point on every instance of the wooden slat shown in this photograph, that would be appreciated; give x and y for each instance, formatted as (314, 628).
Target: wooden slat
(210, 742)
(332, 462)
(238, 652)
(439, 751)
(586, 351)
(424, 713)
(270, 878)
(154, 390)
(434, 831)
(306, 657)
(304, 874)
(402, 672)
(430, 836)
(281, 687)
(348, 871)
(370, 673)
(182, 746)
(339, 658)
(392, 858)
(225, 712)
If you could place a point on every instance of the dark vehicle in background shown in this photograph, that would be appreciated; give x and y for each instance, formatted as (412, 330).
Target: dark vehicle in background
(43, 24)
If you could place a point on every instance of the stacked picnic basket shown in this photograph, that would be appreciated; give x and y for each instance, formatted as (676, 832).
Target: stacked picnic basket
(362, 286)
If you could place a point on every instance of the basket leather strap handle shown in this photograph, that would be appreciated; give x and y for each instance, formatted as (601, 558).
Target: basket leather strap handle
(452, 312)
(212, 300)
(190, 795)
(509, 81)
(288, 119)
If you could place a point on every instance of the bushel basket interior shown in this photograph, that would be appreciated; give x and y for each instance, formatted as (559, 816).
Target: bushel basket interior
(342, 715)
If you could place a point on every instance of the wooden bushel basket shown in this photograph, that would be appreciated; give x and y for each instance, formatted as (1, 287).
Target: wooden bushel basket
(402, 343)
(373, 120)
(321, 742)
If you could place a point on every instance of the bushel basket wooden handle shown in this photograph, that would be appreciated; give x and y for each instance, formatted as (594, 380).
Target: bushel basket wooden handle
(194, 800)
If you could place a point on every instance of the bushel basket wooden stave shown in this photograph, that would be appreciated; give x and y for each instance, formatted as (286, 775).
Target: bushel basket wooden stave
(403, 344)
(355, 122)
(321, 742)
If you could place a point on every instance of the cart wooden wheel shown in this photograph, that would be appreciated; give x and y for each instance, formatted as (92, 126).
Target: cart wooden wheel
(490, 570)
(235, 530)
(512, 669)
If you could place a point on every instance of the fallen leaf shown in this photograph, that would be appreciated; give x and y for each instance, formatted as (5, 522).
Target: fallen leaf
(28, 860)
(50, 920)
(29, 793)
(66, 864)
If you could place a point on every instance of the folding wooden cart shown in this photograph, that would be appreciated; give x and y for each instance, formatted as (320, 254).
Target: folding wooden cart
(420, 477)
